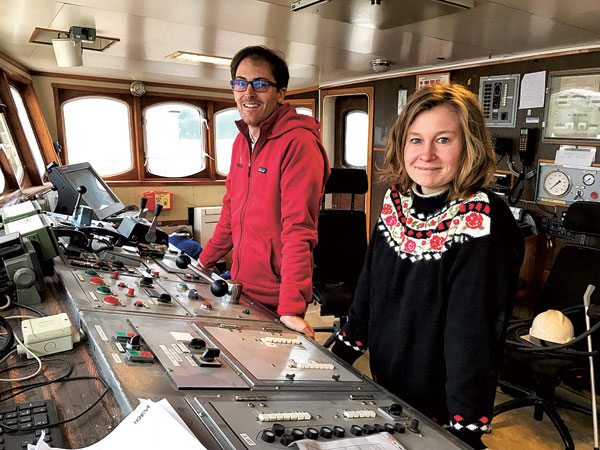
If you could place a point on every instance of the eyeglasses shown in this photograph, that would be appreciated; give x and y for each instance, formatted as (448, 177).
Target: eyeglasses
(257, 85)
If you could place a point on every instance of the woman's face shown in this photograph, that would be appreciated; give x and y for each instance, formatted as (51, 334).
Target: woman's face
(433, 146)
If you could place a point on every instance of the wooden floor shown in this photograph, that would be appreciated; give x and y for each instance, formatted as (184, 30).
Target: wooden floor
(513, 430)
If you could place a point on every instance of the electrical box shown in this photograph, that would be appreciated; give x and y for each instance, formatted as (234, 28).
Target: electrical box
(563, 185)
(164, 198)
(48, 335)
(498, 96)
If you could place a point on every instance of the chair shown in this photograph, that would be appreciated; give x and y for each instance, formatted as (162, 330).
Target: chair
(340, 252)
(532, 377)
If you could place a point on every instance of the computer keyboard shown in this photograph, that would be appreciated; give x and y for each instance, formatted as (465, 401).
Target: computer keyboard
(25, 417)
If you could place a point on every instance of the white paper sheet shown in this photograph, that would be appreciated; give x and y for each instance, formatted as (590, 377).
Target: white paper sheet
(568, 155)
(533, 90)
(380, 441)
(151, 426)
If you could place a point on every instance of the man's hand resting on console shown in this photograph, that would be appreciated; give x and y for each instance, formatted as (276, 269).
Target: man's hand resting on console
(298, 324)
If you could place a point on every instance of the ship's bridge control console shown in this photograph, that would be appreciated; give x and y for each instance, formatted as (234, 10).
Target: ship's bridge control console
(162, 327)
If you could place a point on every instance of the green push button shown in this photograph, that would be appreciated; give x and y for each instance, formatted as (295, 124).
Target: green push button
(103, 289)
(246, 311)
(91, 272)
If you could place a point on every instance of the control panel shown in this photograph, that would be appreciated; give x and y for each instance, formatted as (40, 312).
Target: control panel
(271, 421)
(563, 185)
(498, 96)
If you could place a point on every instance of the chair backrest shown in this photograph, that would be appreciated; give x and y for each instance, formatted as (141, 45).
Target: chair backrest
(340, 252)
(575, 266)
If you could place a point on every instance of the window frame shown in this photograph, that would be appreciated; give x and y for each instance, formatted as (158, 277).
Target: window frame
(155, 100)
(218, 107)
(344, 118)
(138, 176)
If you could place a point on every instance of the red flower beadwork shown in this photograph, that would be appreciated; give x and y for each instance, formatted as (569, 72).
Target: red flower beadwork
(391, 220)
(410, 246)
(437, 242)
(387, 208)
(474, 220)
(456, 221)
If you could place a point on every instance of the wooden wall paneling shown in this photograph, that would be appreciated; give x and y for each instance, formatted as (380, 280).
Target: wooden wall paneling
(39, 124)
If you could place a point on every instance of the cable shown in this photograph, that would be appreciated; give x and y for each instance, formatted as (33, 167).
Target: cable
(39, 361)
(10, 341)
(27, 387)
(8, 302)
(29, 308)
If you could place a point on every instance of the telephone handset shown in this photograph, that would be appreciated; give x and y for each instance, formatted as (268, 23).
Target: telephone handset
(526, 147)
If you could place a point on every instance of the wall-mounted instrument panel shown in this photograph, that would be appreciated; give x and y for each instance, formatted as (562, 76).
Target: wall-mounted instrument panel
(498, 96)
(563, 185)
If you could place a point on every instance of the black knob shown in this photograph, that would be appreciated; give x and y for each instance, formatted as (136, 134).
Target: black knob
(134, 342)
(379, 428)
(338, 432)
(297, 434)
(356, 430)
(278, 429)
(81, 189)
(146, 281)
(389, 428)
(286, 440)
(210, 354)
(368, 429)
(326, 432)
(164, 298)
(268, 436)
(395, 409)
(219, 288)
(197, 344)
(118, 264)
(414, 426)
(182, 261)
(311, 433)
(399, 427)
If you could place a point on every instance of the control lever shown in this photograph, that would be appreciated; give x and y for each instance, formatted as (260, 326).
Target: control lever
(143, 203)
(218, 286)
(151, 234)
(82, 215)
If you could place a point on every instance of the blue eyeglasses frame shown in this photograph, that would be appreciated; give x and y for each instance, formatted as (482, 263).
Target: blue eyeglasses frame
(257, 85)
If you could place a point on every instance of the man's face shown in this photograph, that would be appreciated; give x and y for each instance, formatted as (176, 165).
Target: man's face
(255, 107)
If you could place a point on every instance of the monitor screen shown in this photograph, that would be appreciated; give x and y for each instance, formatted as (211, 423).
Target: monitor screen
(103, 201)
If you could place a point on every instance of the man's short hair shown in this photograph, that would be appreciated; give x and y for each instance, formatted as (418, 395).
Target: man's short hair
(184, 231)
(271, 57)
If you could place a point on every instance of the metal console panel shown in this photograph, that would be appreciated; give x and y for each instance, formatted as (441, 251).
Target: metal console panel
(87, 293)
(245, 422)
(269, 356)
(178, 283)
(169, 342)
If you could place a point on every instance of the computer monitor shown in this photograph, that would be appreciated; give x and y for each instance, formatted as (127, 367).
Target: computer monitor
(103, 201)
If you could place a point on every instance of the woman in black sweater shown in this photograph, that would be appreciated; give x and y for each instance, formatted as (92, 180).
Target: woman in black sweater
(441, 270)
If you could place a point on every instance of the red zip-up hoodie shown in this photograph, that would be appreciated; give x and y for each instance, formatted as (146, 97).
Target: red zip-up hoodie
(270, 211)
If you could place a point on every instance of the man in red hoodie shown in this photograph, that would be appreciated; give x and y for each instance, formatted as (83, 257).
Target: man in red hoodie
(274, 188)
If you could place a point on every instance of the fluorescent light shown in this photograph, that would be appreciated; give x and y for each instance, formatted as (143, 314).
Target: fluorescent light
(195, 57)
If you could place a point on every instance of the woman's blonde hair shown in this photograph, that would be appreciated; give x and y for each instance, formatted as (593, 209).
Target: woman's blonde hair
(477, 162)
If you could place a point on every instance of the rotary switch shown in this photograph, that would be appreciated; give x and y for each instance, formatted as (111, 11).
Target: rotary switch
(326, 432)
(311, 433)
(268, 436)
(356, 430)
(278, 429)
(338, 432)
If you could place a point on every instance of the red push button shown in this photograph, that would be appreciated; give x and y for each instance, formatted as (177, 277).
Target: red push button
(96, 280)
(594, 195)
(206, 305)
(122, 284)
(115, 274)
(155, 273)
(110, 300)
(138, 303)
(130, 292)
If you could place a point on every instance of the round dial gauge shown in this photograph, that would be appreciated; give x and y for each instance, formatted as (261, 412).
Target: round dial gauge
(557, 184)
(137, 88)
(589, 179)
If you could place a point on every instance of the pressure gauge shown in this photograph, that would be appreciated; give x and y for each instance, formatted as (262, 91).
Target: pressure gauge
(137, 88)
(589, 179)
(557, 184)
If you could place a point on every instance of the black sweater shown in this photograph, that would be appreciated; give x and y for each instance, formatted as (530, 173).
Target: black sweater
(433, 301)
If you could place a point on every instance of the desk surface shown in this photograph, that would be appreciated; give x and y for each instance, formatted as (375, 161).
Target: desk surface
(71, 397)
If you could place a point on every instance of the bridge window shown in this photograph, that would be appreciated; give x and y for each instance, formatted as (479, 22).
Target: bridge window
(97, 129)
(305, 111)
(175, 139)
(8, 146)
(356, 139)
(225, 133)
(28, 129)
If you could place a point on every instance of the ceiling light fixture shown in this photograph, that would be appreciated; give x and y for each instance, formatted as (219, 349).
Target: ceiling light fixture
(302, 4)
(198, 58)
(69, 50)
(462, 4)
(381, 65)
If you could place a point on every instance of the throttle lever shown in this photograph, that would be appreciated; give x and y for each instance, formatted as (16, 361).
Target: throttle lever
(151, 234)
